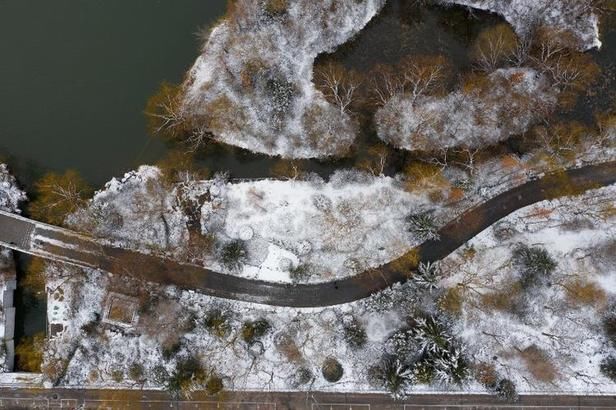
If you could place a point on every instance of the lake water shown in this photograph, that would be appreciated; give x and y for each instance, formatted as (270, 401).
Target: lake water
(75, 76)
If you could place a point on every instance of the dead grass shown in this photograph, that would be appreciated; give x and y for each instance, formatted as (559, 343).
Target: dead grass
(539, 364)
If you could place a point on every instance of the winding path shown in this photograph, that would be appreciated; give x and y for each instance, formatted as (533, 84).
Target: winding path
(63, 245)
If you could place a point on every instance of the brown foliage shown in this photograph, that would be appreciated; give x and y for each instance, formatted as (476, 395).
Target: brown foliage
(58, 195)
(164, 112)
(580, 292)
(538, 364)
(504, 300)
(451, 301)
(374, 160)
(485, 373)
(555, 52)
(178, 164)
(414, 76)
(288, 169)
(33, 278)
(29, 353)
(421, 175)
(493, 47)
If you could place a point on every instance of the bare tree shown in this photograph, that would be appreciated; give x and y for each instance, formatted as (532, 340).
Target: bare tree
(338, 84)
(385, 84)
(423, 75)
(493, 47)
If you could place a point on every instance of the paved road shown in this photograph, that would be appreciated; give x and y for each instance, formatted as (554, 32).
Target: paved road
(124, 399)
(60, 244)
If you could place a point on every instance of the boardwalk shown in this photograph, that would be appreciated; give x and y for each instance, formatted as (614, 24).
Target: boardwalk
(64, 245)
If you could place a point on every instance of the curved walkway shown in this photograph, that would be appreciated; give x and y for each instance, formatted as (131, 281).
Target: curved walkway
(63, 245)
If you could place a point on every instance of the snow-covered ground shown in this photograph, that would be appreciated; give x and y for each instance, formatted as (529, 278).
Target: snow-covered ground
(252, 86)
(507, 105)
(327, 230)
(563, 332)
(556, 324)
(575, 16)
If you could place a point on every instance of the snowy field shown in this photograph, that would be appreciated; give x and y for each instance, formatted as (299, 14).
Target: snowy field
(556, 328)
(312, 229)
(547, 337)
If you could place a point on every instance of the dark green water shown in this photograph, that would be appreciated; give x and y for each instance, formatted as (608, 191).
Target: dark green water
(75, 76)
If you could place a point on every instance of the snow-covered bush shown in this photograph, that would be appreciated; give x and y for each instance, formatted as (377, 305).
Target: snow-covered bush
(354, 332)
(427, 276)
(423, 226)
(233, 254)
(608, 368)
(535, 265)
(505, 389)
(393, 375)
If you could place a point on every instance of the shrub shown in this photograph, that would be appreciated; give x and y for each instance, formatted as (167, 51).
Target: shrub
(451, 301)
(171, 349)
(233, 254)
(493, 47)
(431, 335)
(332, 370)
(135, 371)
(286, 345)
(424, 372)
(217, 323)
(164, 112)
(608, 368)
(252, 331)
(427, 276)
(188, 373)
(392, 374)
(354, 333)
(534, 263)
(160, 375)
(117, 375)
(304, 375)
(274, 8)
(505, 390)
(609, 326)
(421, 175)
(214, 385)
(423, 226)
(300, 273)
(485, 373)
(585, 293)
